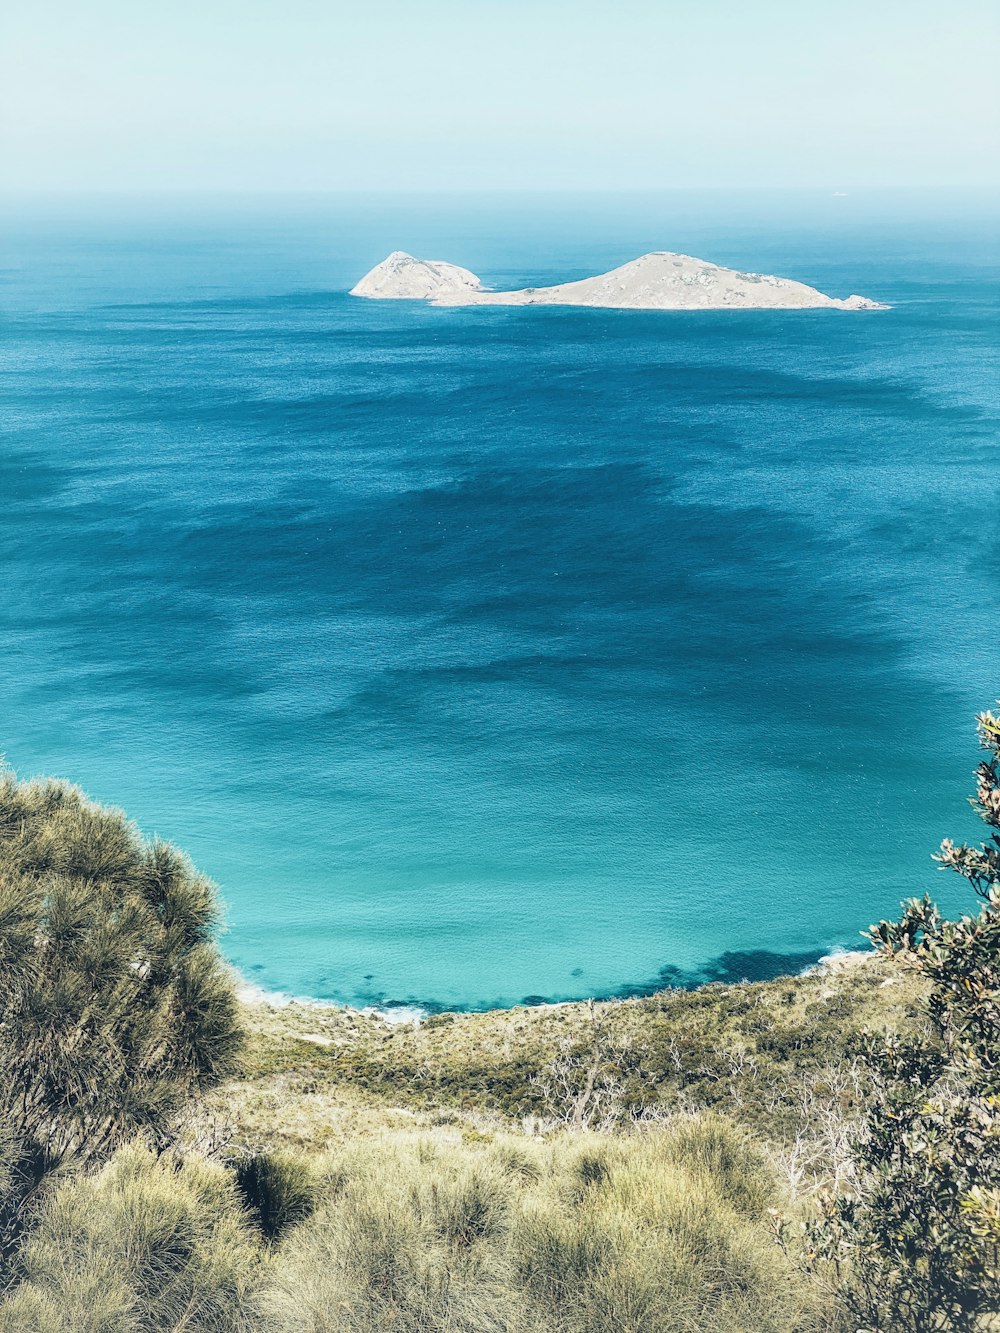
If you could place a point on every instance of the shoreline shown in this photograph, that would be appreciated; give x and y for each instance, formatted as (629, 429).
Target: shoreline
(249, 993)
(402, 1013)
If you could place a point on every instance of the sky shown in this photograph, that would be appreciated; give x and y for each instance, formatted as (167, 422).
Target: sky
(498, 94)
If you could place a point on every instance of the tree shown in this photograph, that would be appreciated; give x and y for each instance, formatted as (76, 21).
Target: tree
(114, 1003)
(917, 1242)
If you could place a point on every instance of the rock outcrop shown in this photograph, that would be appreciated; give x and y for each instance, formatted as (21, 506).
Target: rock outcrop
(656, 281)
(403, 278)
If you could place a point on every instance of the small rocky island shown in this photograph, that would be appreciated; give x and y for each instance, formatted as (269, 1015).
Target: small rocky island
(659, 280)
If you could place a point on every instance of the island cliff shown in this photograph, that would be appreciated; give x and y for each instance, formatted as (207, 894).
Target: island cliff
(659, 280)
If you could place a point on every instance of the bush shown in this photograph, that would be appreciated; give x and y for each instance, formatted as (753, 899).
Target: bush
(581, 1234)
(277, 1189)
(143, 1246)
(916, 1243)
(115, 1005)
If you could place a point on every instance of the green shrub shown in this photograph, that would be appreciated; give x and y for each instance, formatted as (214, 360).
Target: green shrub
(916, 1242)
(145, 1245)
(580, 1234)
(277, 1189)
(114, 1004)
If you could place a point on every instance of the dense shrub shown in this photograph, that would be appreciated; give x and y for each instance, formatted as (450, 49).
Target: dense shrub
(114, 1004)
(580, 1234)
(143, 1246)
(916, 1242)
(277, 1189)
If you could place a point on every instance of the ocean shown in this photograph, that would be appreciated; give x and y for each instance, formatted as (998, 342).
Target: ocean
(489, 656)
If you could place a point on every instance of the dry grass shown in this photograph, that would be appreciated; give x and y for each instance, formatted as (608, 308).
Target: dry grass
(770, 1055)
(423, 1231)
(663, 1232)
(147, 1244)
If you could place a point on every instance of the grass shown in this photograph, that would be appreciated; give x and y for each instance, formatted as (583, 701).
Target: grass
(762, 1053)
(360, 1177)
(575, 1234)
(663, 1231)
(149, 1243)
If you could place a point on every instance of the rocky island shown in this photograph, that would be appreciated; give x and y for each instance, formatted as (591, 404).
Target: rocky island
(659, 280)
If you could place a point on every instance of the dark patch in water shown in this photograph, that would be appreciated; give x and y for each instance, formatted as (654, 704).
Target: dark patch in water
(756, 965)
(729, 969)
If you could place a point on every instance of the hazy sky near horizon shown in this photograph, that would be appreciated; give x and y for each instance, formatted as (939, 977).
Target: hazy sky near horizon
(446, 94)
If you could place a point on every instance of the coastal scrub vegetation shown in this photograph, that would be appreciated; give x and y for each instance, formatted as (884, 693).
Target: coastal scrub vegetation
(116, 1007)
(815, 1154)
(917, 1240)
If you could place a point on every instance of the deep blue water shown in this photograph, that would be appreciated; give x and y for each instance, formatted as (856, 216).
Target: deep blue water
(484, 654)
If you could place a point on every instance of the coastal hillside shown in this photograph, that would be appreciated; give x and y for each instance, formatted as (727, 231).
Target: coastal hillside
(813, 1154)
(759, 1052)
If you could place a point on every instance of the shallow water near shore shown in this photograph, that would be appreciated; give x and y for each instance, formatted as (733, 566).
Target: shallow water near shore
(491, 654)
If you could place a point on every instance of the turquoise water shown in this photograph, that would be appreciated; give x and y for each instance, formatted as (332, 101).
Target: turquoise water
(485, 654)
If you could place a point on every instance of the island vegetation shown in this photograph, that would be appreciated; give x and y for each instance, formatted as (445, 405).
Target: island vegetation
(814, 1154)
